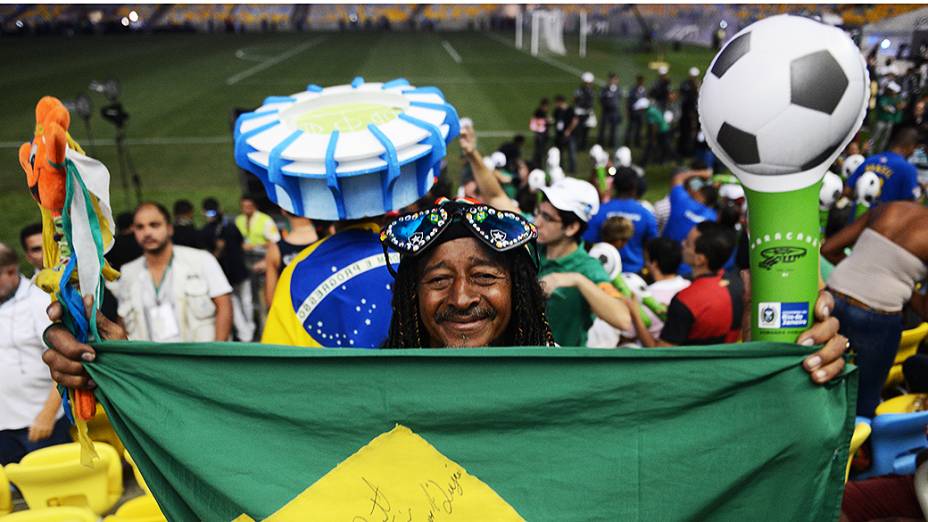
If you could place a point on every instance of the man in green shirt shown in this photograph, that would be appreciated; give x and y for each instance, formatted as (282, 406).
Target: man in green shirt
(576, 284)
(657, 148)
(889, 110)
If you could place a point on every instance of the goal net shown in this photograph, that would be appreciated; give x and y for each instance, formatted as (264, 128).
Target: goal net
(548, 32)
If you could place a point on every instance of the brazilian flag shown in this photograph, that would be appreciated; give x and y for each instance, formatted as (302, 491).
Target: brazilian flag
(253, 432)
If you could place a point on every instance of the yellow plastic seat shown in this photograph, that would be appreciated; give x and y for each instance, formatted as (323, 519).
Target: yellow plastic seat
(54, 476)
(861, 433)
(53, 514)
(139, 509)
(908, 403)
(6, 499)
(908, 346)
(136, 473)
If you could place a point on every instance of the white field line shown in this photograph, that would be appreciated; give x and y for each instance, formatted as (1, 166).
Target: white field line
(232, 80)
(217, 140)
(545, 59)
(451, 52)
(248, 57)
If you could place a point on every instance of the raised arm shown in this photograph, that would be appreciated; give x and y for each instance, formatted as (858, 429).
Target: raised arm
(683, 177)
(490, 189)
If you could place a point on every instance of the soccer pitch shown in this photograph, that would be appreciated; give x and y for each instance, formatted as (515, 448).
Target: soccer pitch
(180, 91)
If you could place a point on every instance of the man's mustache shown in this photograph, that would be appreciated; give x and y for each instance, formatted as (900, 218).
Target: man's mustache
(474, 313)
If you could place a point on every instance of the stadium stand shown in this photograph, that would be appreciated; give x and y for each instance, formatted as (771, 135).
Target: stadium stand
(664, 21)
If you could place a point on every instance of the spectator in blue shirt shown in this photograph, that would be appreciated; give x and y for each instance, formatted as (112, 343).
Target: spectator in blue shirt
(691, 201)
(898, 177)
(625, 186)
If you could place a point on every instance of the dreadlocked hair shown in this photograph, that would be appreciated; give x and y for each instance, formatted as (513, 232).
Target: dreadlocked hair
(528, 323)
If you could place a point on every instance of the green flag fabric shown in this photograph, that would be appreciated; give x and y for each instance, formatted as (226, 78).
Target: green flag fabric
(733, 432)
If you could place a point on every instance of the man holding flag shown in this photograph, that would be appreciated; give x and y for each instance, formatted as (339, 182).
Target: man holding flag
(456, 291)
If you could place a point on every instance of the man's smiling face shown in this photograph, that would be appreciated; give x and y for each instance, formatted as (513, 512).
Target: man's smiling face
(465, 295)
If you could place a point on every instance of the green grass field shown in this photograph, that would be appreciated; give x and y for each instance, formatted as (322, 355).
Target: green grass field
(180, 91)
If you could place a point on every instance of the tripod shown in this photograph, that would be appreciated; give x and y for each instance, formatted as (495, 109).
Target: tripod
(117, 116)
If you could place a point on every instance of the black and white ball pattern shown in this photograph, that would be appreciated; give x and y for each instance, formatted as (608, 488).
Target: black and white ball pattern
(783, 96)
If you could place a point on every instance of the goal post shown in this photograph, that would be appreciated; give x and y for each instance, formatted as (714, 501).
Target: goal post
(548, 32)
(546, 28)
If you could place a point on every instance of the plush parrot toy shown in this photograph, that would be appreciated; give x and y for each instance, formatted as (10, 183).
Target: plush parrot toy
(72, 191)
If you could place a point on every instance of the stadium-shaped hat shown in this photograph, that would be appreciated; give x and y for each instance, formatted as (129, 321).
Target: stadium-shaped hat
(348, 151)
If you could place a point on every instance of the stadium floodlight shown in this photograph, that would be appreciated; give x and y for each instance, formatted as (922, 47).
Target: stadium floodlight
(133, 16)
(124, 22)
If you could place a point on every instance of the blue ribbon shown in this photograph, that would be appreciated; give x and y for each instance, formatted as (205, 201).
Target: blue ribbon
(396, 83)
(290, 184)
(242, 149)
(393, 166)
(438, 146)
(331, 178)
(451, 116)
(242, 118)
(279, 99)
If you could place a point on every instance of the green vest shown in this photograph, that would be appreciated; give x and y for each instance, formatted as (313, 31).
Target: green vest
(253, 230)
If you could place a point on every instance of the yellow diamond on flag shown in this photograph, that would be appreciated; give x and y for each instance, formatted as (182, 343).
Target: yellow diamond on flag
(397, 476)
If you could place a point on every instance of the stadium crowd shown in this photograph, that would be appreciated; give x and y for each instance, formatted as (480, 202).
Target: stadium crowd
(668, 273)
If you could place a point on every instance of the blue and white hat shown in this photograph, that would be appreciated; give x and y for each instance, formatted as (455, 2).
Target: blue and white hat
(347, 151)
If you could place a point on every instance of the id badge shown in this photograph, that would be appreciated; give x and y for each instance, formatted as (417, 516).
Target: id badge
(162, 323)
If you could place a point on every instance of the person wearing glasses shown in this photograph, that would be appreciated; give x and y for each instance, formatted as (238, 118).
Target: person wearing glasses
(467, 276)
(576, 284)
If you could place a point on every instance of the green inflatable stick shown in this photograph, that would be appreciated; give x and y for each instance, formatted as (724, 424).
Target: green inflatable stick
(782, 167)
(601, 178)
(784, 261)
(620, 285)
(860, 209)
(658, 308)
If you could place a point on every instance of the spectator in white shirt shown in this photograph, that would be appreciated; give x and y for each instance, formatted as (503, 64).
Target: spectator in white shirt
(172, 293)
(30, 412)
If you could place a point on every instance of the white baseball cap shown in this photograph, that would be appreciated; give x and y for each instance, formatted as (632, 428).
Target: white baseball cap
(893, 86)
(587, 77)
(731, 191)
(574, 195)
(694, 71)
(663, 69)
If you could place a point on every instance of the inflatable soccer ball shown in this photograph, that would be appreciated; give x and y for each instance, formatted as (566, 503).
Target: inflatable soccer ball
(637, 285)
(850, 164)
(609, 257)
(782, 100)
(868, 188)
(832, 186)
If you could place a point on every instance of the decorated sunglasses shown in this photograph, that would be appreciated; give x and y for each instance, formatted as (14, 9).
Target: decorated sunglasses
(499, 229)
